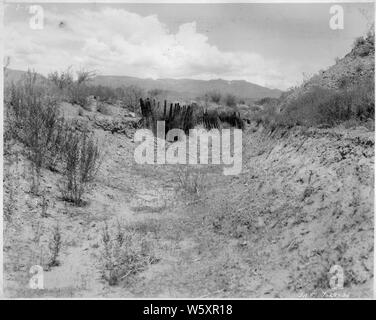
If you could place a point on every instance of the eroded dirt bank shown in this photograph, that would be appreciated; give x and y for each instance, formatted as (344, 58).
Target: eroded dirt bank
(303, 203)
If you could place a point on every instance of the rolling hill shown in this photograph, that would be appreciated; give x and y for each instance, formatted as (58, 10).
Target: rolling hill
(189, 88)
(177, 88)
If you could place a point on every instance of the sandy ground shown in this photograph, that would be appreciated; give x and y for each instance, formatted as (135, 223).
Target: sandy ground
(303, 203)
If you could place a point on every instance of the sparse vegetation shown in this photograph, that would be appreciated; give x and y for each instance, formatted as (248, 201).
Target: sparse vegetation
(44, 206)
(81, 165)
(275, 229)
(123, 254)
(131, 97)
(230, 100)
(54, 246)
(214, 96)
(320, 106)
(49, 139)
(62, 80)
(104, 108)
(190, 182)
(35, 116)
(10, 200)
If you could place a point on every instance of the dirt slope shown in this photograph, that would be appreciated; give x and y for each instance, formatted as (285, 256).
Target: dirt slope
(356, 67)
(303, 203)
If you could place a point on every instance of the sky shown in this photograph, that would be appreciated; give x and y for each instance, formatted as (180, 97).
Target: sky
(273, 45)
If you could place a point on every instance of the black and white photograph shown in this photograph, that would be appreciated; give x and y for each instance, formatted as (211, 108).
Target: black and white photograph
(193, 150)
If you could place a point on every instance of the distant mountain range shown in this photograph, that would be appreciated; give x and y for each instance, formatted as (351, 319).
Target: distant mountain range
(179, 88)
(188, 88)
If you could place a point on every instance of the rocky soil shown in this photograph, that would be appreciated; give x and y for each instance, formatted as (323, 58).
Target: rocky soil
(302, 204)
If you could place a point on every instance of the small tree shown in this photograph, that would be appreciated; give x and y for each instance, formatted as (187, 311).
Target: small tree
(214, 96)
(132, 96)
(230, 100)
(61, 80)
(79, 90)
(85, 76)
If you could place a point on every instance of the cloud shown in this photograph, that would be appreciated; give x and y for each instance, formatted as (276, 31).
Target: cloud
(117, 42)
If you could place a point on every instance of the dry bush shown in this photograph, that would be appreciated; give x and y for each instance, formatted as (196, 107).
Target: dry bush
(230, 217)
(131, 98)
(213, 96)
(123, 254)
(10, 196)
(190, 182)
(232, 118)
(320, 106)
(104, 109)
(230, 100)
(105, 94)
(50, 141)
(73, 91)
(44, 206)
(35, 179)
(54, 247)
(61, 80)
(84, 76)
(33, 115)
(364, 46)
(81, 158)
(79, 94)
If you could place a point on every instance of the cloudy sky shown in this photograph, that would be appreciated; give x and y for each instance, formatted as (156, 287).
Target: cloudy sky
(268, 44)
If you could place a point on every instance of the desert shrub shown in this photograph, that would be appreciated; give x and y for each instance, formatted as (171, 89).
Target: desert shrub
(58, 146)
(44, 206)
(62, 80)
(81, 158)
(344, 81)
(359, 41)
(54, 246)
(230, 100)
(232, 118)
(214, 96)
(123, 254)
(321, 106)
(50, 141)
(267, 101)
(210, 119)
(34, 117)
(85, 76)
(11, 187)
(104, 108)
(79, 94)
(190, 182)
(74, 91)
(131, 97)
(104, 94)
(362, 101)
(365, 46)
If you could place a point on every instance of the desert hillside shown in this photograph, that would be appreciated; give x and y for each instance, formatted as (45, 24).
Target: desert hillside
(355, 68)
